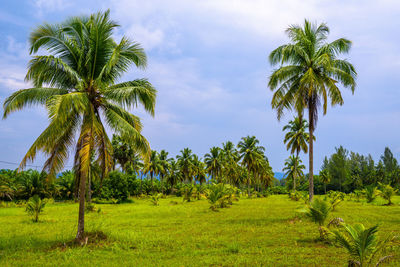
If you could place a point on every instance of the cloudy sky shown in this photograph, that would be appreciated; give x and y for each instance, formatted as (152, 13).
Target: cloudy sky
(208, 60)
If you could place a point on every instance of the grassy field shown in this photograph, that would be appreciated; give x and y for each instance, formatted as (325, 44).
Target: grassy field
(253, 232)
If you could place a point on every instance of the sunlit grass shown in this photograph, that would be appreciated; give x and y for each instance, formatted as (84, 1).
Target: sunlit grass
(252, 232)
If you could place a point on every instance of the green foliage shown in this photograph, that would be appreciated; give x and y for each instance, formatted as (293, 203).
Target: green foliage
(335, 198)
(118, 186)
(387, 192)
(35, 206)
(318, 211)
(362, 245)
(187, 192)
(155, 198)
(220, 196)
(371, 193)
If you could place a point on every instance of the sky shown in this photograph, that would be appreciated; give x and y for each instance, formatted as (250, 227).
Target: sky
(209, 62)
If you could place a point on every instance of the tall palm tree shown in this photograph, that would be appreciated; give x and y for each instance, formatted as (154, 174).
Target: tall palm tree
(293, 169)
(213, 161)
(250, 153)
(308, 75)
(76, 82)
(185, 162)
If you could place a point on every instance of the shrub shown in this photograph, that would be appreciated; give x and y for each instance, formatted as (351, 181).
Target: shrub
(155, 198)
(387, 192)
(370, 193)
(34, 207)
(362, 244)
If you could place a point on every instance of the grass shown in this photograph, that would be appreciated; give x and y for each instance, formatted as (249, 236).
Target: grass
(253, 232)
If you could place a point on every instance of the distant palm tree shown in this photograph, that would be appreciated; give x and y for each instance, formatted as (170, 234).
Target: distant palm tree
(296, 138)
(213, 161)
(325, 177)
(164, 162)
(308, 75)
(199, 170)
(153, 167)
(76, 82)
(185, 162)
(293, 169)
(251, 154)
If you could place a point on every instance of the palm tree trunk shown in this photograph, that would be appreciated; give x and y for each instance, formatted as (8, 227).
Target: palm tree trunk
(81, 218)
(89, 195)
(311, 154)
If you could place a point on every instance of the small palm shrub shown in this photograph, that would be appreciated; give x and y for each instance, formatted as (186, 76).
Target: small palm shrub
(155, 199)
(295, 196)
(221, 195)
(187, 192)
(387, 192)
(362, 244)
(358, 194)
(335, 198)
(318, 211)
(371, 193)
(34, 207)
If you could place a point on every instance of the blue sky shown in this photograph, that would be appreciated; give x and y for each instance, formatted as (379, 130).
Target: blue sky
(208, 60)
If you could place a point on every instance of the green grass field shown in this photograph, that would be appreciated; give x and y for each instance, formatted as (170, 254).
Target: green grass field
(253, 232)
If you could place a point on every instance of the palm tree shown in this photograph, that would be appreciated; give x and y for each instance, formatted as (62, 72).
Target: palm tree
(293, 169)
(153, 167)
(199, 170)
(250, 153)
(164, 162)
(185, 162)
(174, 175)
(76, 82)
(296, 137)
(362, 244)
(325, 177)
(387, 192)
(213, 161)
(309, 73)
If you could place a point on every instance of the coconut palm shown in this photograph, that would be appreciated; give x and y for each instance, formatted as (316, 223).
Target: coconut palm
(213, 161)
(293, 169)
(199, 170)
(325, 177)
(153, 167)
(185, 162)
(308, 75)
(76, 81)
(251, 154)
(296, 138)
(362, 244)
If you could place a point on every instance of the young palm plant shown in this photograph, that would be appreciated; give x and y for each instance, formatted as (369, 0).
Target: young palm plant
(371, 193)
(318, 211)
(308, 75)
(387, 192)
(76, 82)
(362, 244)
(35, 206)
